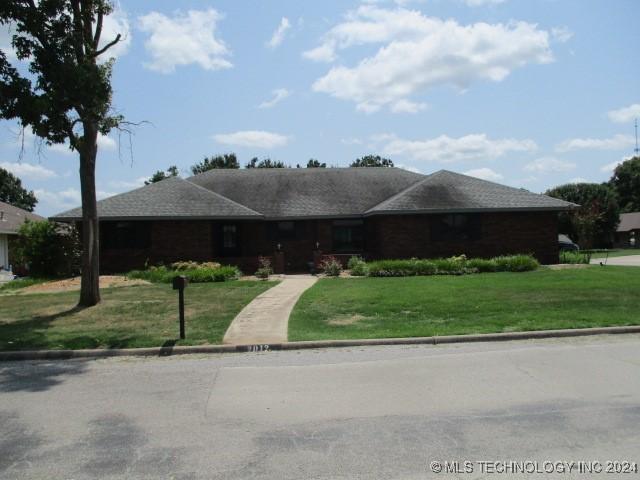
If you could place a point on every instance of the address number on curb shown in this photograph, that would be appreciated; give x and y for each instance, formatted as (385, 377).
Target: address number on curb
(258, 348)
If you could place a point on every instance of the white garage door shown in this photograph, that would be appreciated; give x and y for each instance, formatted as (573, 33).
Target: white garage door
(4, 252)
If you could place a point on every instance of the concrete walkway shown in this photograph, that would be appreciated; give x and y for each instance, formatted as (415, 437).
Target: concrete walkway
(628, 260)
(266, 318)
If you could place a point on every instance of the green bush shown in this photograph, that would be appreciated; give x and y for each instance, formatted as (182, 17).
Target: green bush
(48, 249)
(482, 265)
(451, 266)
(357, 266)
(200, 274)
(516, 263)
(574, 257)
(331, 267)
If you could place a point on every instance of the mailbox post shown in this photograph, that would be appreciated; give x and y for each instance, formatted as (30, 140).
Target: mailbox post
(179, 283)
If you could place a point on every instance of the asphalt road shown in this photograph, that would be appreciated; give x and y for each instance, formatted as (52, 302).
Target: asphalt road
(373, 412)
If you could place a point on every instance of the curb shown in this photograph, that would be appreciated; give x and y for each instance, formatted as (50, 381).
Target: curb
(313, 344)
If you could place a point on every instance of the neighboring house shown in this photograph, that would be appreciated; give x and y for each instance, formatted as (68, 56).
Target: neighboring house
(10, 220)
(628, 232)
(295, 216)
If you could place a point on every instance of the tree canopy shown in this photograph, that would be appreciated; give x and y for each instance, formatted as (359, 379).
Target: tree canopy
(372, 161)
(172, 171)
(264, 163)
(226, 160)
(13, 193)
(594, 222)
(65, 96)
(626, 182)
(313, 163)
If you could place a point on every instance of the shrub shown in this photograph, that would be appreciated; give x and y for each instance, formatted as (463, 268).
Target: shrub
(574, 257)
(265, 269)
(190, 265)
(451, 265)
(482, 265)
(401, 268)
(47, 249)
(199, 274)
(357, 266)
(331, 266)
(516, 263)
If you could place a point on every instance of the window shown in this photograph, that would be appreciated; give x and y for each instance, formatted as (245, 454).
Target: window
(229, 240)
(125, 235)
(286, 230)
(348, 236)
(456, 228)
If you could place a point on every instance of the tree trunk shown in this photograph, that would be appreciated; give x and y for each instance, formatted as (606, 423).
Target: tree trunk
(90, 286)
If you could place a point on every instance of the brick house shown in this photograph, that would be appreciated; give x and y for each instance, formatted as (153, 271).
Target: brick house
(11, 219)
(628, 231)
(297, 216)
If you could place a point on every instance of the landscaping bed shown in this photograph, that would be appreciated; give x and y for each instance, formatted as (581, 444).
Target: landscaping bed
(127, 317)
(546, 299)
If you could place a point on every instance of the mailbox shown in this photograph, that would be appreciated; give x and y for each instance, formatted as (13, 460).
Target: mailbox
(180, 282)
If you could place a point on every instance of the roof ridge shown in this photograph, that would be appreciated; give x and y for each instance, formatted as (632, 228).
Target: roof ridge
(216, 194)
(400, 193)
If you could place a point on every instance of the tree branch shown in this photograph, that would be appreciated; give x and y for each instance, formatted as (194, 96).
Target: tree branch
(96, 37)
(107, 46)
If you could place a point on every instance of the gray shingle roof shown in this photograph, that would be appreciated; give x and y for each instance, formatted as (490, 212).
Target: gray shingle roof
(170, 198)
(12, 217)
(629, 221)
(314, 193)
(446, 191)
(308, 192)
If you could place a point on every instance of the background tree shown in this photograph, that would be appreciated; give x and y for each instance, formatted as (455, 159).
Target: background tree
(594, 222)
(172, 171)
(313, 163)
(264, 163)
(372, 161)
(13, 193)
(66, 95)
(626, 182)
(226, 160)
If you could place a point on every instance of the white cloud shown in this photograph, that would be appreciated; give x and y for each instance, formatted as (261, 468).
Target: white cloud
(252, 138)
(114, 24)
(105, 142)
(408, 168)
(617, 142)
(561, 34)
(610, 167)
(549, 165)
(28, 170)
(61, 200)
(279, 34)
(418, 52)
(445, 149)
(579, 180)
(406, 106)
(279, 94)
(184, 39)
(484, 174)
(625, 114)
(351, 141)
(5, 42)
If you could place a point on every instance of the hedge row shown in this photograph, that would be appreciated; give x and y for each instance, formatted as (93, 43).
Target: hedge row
(442, 266)
(195, 274)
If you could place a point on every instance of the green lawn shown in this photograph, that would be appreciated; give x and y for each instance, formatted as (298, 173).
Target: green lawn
(345, 308)
(133, 316)
(617, 253)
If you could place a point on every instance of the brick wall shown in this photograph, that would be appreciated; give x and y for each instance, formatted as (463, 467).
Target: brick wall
(403, 236)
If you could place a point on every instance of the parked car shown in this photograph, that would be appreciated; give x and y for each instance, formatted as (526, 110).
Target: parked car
(566, 244)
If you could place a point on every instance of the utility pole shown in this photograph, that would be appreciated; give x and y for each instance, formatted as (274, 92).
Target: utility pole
(636, 150)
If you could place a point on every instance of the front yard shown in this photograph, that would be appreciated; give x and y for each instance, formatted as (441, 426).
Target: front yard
(133, 316)
(483, 303)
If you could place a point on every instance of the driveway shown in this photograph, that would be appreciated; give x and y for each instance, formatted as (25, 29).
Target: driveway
(368, 413)
(628, 260)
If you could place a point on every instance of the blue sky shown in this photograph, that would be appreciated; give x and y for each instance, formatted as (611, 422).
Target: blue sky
(527, 93)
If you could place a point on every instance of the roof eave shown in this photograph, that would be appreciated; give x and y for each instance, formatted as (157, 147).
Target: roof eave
(466, 210)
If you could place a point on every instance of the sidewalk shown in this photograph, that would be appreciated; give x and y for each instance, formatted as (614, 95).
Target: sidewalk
(266, 318)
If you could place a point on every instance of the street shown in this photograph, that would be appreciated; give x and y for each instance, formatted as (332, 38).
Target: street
(369, 412)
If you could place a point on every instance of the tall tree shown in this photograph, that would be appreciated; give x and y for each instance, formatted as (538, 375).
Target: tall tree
(372, 161)
(626, 182)
(264, 163)
(226, 160)
(13, 193)
(172, 171)
(594, 222)
(313, 163)
(66, 96)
